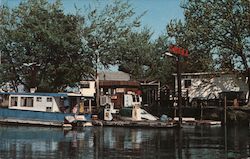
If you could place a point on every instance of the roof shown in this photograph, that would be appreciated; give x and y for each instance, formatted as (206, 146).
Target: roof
(200, 73)
(36, 94)
(114, 76)
(119, 83)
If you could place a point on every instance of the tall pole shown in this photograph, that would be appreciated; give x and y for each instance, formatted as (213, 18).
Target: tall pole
(225, 110)
(179, 102)
(179, 89)
(97, 84)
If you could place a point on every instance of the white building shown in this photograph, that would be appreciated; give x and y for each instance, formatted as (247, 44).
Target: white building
(210, 84)
(87, 88)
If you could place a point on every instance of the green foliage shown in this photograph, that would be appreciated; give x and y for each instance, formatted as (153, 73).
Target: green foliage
(144, 59)
(183, 35)
(166, 65)
(135, 54)
(105, 28)
(45, 48)
(41, 45)
(217, 30)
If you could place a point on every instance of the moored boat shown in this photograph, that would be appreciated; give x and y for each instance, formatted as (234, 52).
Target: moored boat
(39, 108)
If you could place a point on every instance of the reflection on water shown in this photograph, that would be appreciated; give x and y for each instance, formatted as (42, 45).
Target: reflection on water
(110, 142)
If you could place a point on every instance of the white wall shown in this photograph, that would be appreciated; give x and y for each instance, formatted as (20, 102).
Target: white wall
(37, 106)
(88, 92)
(203, 85)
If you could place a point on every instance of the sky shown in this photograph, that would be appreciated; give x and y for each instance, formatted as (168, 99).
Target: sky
(159, 12)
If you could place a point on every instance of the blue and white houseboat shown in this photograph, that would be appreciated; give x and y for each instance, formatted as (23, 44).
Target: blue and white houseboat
(40, 108)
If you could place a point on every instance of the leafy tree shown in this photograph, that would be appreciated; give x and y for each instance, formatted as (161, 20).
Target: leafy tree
(40, 45)
(135, 54)
(105, 28)
(144, 58)
(199, 58)
(44, 47)
(219, 30)
(166, 66)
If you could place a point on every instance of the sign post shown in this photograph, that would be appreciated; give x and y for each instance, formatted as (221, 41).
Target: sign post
(179, 89)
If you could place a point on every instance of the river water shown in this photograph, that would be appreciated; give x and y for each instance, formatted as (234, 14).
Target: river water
(110, 142)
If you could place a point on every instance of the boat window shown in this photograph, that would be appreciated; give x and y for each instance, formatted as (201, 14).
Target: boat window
(14, 101)
(48, 109)
(39, 99)
(26, 101)
(49, 99)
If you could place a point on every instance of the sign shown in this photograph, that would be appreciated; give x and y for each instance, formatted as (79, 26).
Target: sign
(120, 90)
(178, 50)
(113, 97)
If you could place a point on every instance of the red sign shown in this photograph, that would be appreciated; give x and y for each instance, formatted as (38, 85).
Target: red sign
(178, 50)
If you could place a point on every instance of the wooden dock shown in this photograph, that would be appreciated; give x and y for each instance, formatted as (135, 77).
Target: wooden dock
(156, 124)
(144, 124)
(115, 123)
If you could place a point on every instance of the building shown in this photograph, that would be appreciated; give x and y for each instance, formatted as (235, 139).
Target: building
(210, 85)
(116, 85)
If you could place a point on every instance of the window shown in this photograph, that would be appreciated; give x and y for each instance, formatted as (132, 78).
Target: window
(39, 99)
(84, 85)
(49, 99)
(48, 109)
(134, 98)
(138, 98)
(26, 101)
(13, 101)
(187, 83)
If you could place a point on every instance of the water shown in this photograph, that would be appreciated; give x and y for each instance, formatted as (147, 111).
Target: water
(109, 142)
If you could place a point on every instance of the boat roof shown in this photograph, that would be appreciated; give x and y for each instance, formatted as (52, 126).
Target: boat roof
(36, 94)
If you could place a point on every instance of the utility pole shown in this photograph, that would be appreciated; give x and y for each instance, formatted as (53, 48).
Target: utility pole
(179, 89)
(97, 82)
(179, 102)
(178, 51)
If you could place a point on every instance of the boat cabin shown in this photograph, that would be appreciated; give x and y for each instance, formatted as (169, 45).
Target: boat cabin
(45, 102)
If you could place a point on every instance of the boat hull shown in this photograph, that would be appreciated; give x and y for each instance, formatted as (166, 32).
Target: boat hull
(34, 117)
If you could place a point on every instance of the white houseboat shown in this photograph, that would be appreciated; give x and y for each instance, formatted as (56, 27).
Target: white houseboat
(39, 108)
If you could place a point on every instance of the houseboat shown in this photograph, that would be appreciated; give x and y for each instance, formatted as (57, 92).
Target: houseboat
(40, 108)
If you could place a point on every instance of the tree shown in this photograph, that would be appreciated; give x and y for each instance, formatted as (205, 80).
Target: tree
(44, 47)
(144, 58)
(166, 66)
(135, 54)
(105, 28)
(41, 46)
(199, 58)
(221, 29)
